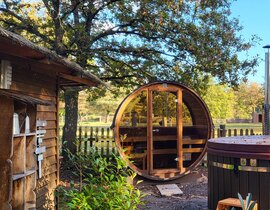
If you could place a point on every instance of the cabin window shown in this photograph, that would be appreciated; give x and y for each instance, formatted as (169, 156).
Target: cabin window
(5, 74)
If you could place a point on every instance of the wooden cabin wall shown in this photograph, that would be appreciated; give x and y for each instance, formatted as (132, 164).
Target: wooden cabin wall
(6, 123)
(42, 83)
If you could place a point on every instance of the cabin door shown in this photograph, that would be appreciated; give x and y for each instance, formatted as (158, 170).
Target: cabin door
(164, 130)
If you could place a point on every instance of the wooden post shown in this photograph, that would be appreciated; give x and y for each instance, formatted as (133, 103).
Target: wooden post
(235, 132)
(218, 132)
(79, 149)
(85, 140)
(149, 132)
(108, 133)
(107, 148)
(222, 130)
(252, 132)
(229, 132)
(102, 133)
(247, 132)
(179, 131)
(241, 132)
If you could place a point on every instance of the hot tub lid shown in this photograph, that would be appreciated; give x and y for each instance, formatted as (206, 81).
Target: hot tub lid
(241, 146)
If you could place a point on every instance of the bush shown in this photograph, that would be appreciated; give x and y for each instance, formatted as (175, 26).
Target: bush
(106, 184)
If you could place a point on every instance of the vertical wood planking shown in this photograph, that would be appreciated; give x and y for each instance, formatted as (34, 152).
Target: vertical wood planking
(215, 182)
(210, 181)
(227, 178)
(235, 177)
(264, 185)
(220, 183)
(253, 184)
(243, 183)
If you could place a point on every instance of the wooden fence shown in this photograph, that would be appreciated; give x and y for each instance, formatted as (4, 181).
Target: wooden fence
(101, 138)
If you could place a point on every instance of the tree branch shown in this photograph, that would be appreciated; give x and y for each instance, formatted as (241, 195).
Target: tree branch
(113, 32)
(29, 29)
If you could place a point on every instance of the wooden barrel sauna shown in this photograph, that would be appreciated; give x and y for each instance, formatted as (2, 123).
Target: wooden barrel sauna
(161, 130)
(239, 164)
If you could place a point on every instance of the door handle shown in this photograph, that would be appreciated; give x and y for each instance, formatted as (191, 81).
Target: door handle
(155, 130)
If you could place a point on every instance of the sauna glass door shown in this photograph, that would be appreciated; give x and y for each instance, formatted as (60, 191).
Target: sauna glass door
(165, 131)
(133, 130)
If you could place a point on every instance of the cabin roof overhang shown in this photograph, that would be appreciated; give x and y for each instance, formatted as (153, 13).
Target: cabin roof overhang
(15, 47)
(19, 96)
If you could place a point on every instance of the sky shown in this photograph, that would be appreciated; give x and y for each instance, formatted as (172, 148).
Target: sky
(254, 16)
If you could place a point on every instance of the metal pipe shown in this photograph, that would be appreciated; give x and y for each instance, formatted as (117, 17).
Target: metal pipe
(266, 121)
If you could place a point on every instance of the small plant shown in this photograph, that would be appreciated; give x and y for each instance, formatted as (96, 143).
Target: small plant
(104, 184)
(248, 205)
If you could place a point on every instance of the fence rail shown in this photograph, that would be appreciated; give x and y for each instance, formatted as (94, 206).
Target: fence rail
(101, 138)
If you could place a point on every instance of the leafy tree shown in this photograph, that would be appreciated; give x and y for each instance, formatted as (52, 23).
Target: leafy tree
(249, 97)
(220, 101)
(106, 104)
(130, 42)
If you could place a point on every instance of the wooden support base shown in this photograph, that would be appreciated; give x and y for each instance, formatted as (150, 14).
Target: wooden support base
(227, 203)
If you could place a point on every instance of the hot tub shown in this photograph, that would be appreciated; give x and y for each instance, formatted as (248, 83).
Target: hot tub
(239, 164)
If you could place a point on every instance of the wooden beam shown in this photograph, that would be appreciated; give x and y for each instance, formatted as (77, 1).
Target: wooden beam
(35, 64)
(77, 79)
(164, 138)
(179, 130)
(149, 131)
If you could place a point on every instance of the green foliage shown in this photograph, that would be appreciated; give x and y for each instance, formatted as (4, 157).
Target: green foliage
(250, 98)
(220, 101)
(226, 103)
(106, 184)
(248, 205)
(131, 42)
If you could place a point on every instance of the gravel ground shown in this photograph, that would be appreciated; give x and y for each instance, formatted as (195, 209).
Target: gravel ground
(193, 185)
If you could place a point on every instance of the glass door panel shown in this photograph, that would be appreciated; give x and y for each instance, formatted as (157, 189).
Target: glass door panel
(164, 127)
(133, 130)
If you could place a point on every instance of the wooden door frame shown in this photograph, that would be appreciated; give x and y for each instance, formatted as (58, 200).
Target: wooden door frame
(179, 126)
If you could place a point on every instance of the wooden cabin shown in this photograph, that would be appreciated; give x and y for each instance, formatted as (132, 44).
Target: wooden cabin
(31, 77)
(161, 130)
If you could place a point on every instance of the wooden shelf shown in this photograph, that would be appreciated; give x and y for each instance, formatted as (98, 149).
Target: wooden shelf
(18, 157)
(18, 194)
(24, 159)
(24, 134)
(30, 205)
(22, 175)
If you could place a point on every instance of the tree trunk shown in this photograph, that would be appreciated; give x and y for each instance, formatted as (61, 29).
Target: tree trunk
(71, 117)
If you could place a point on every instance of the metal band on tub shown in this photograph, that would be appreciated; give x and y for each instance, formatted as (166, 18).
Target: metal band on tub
(239, 168)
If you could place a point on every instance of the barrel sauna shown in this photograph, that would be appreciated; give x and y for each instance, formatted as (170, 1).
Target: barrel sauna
(239, 165)
(161, 130)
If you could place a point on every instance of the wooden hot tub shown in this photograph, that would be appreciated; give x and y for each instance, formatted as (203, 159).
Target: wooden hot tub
(161, 130)
(239, 164)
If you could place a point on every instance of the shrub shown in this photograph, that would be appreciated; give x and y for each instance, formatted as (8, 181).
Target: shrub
(105, 184)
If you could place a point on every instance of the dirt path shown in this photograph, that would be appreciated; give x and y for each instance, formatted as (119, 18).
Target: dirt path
(193, 185)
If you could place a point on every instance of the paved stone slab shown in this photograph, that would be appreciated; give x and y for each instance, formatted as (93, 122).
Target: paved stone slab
(169, 190)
